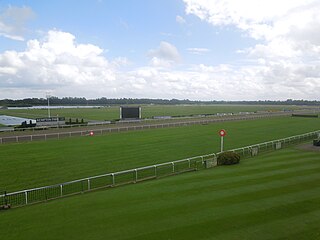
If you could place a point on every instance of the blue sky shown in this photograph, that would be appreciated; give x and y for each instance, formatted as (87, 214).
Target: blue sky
(203, 50)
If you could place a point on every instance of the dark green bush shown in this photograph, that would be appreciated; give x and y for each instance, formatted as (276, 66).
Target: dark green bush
(228, 158)
(316, 142)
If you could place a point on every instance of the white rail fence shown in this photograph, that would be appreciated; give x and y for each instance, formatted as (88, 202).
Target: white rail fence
(35, 195)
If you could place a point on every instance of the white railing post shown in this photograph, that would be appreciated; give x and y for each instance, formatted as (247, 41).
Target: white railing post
(155, 170)
(26, 197)
(88, 184)
(113, 180)
(173, 167)
(136, 175)
(61, 190)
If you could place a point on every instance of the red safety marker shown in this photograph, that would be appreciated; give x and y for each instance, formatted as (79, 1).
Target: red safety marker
(222, 133)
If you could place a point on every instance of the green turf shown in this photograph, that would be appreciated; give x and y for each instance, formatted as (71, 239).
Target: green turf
(272, 196)
(148, 111)
(35, 164)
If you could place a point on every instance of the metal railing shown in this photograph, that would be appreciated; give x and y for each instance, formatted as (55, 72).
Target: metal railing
(35, 195)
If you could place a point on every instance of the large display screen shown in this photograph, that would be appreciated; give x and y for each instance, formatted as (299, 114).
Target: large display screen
(130, 112)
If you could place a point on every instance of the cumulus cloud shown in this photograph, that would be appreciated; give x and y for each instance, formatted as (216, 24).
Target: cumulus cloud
(287, 36)
(63, 66)
(198, 82)
(165, 55)
(293, 22)
(13, 22)
(58, 62)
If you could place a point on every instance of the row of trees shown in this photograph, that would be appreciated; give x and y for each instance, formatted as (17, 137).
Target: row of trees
(122, 101)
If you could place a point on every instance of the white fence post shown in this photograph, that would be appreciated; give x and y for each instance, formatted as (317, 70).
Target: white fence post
(26, 197)
(113, 180)
(61, 190)
(173, 167)
(88, 184)
(136, 175)
(155, 170)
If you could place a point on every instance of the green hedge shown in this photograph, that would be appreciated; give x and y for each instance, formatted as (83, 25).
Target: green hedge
(228, 158)
(305, 115)
(316, 142)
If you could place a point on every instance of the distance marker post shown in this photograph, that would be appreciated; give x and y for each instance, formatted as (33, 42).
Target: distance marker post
(222, 133)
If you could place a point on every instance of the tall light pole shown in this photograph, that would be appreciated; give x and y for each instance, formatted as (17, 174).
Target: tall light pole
(48, 97)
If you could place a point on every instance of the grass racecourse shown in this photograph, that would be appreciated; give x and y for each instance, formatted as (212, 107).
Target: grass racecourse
(36, 164)
(273, 196)
(148, 111)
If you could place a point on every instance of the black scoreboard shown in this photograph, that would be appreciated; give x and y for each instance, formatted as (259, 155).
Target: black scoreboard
(130, 112)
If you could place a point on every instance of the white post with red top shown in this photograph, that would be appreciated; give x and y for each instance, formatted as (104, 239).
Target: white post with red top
(222, 133)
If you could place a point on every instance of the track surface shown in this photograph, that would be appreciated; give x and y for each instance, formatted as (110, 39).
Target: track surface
(31, 135)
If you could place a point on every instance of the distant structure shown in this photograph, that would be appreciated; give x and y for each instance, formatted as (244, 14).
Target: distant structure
(50, 121)
(130, 113)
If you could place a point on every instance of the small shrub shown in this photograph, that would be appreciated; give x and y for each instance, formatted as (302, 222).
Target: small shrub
(316, 142)
(228, 158)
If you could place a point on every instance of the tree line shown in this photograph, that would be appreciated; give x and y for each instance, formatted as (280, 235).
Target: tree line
(69, 101)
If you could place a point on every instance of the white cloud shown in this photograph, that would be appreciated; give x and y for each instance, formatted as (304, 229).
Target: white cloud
(287, 27)
(67, 68)
(248, 15)
(13, 21)
(165, 55)
(288, 42)
(198, 51)
(56, 62)
(180, 20)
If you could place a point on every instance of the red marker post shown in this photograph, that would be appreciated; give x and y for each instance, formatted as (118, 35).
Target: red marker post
(222, 133)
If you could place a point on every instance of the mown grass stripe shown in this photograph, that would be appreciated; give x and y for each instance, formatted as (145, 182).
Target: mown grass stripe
(257, 203)
(181, 225)
(230, 181)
